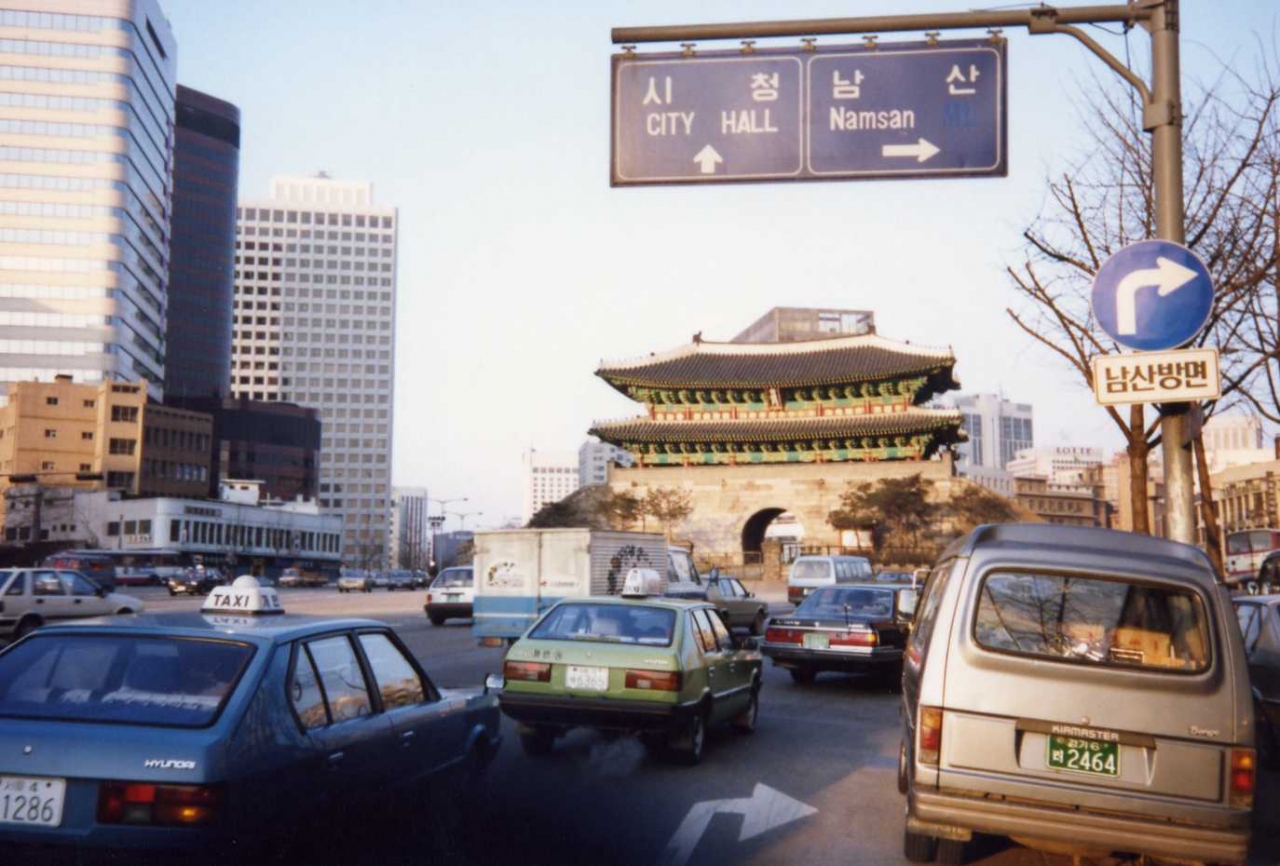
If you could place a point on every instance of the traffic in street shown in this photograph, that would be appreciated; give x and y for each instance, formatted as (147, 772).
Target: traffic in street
(814, 783)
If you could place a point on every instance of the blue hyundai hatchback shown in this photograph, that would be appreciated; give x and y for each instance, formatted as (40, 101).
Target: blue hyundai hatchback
(219, 729)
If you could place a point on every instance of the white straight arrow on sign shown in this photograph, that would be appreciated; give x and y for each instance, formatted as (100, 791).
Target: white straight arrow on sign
(707, 159)
(922, 150)
(764, 810)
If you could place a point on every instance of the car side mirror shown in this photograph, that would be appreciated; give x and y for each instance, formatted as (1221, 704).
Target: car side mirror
(493, 683)
(100, 592)
(907, 601)
(746, 643)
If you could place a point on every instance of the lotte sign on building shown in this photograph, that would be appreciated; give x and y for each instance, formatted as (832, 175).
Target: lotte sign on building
(899, 110)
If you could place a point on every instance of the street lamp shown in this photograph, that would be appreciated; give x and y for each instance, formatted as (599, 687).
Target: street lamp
(463, 515)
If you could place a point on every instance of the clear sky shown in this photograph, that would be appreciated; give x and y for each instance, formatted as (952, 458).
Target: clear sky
(487, 123)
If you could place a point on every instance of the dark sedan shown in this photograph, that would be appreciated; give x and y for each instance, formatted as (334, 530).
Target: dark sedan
(1259, 618)
(852, 628)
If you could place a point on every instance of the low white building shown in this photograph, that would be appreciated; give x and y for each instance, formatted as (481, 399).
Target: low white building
(1059, 465)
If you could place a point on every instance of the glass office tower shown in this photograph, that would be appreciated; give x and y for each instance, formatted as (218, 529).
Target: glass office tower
(206, 168)
(86, 137)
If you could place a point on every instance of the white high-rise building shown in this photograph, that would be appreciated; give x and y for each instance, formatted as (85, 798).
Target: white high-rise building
(314, 324)
(594, 458)
(86, 135)
(410, 532)
(998, 429)
(549, 476)
(1062, 465)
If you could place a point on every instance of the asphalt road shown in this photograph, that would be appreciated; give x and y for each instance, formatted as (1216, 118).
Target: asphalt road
(813, 786)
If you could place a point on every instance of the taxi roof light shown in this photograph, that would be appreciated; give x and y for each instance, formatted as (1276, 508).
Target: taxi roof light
(641, 583)
(243, 597)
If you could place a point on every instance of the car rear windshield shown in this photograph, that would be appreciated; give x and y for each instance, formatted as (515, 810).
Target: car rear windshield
(1102, 621)
(810, 571)
(120, 678)
(453, 577)
(608, 623)
(862, 604)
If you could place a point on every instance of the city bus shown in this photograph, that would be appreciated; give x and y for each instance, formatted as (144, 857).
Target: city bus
(1245, 551)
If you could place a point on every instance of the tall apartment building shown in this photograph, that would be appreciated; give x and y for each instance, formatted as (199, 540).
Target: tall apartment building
(792, 324)
(998, 429)
(206, 171)
(410, 531)
(594, 458)
(549, 476)
(86, 138)
(1061, 465)
(314, 324)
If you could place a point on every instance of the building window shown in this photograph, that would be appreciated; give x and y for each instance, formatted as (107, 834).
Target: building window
(113, 529)
(46, 466)
(123, 446)
(50, 433)
(51, 401)
(120, 479)
(128, 414)
(87, 435)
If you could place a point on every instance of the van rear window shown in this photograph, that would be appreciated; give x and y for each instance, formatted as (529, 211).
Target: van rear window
(1101, 621)
(814, 570)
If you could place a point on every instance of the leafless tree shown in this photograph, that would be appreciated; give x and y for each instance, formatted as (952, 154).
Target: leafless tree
(1104, 200)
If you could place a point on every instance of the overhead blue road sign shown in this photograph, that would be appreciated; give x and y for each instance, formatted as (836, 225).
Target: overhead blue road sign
(1152, 295)
(896, 110)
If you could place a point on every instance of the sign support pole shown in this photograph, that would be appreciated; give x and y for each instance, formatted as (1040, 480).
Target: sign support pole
(1162, 117)
(1164, 121)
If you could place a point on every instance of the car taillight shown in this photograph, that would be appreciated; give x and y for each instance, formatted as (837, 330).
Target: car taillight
(1243, 775)
(660, 681)
(165, 805)
(930, 735)
(775, 634)
(429, 598)
(529, 672)
(855, 638)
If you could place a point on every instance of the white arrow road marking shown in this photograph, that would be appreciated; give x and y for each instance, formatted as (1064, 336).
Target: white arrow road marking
(922, 150)
(764, 810)
(1167, 276)
(707, 158)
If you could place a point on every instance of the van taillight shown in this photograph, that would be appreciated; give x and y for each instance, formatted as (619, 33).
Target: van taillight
(528, 672)
(1243, 776)
(930, 735)
(660, 681)
(167, 805)
(775, 634)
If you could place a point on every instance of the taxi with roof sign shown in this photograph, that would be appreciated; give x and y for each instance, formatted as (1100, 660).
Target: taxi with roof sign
(224, 729)
(665, 668)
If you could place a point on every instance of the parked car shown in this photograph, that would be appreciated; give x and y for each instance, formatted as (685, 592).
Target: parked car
(355, 583)
(197, 580)
(296, 576)
(221, 730)
(1259, 618)
(421, 580)
(740, 606)
(400, 579)
(98, 567)
(665, 668)
(380, 580)
(451, 595)
(1081, 690)
(807, 573)
(858, 628)
(32, 597)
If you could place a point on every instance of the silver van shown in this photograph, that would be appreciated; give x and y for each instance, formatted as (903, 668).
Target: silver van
(1080, 691)
(810, 572)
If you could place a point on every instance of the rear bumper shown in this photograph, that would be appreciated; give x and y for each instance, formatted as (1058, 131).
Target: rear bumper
(934, 812)
(459, 610)
(598, 713)
(832, 660)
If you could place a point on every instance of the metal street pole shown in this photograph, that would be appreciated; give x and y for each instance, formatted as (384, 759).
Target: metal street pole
(1165, 125)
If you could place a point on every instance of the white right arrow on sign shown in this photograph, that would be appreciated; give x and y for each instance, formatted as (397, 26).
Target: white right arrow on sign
(922, 150)
(1167, 277)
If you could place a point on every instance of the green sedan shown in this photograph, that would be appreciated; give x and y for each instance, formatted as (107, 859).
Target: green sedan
(661, 667)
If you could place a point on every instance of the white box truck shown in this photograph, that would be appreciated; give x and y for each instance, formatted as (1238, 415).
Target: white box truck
(519, 573)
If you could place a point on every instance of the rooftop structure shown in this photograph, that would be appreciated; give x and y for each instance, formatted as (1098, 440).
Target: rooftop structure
(852, 398)
(792, 324)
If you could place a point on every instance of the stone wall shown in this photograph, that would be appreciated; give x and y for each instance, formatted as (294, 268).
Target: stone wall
(726, 497)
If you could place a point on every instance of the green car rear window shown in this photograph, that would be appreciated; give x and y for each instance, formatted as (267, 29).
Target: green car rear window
(1108, 622)
(608, 623)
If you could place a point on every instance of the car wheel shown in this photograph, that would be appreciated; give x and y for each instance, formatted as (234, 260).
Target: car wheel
(803, 676)
(124, 610)
(757, 624)
(436, 619)
(172, 591)
(904, 782)
(689, 744)
(746, 723)
(26, 627)
(951, 852)
(537, 742)
(918, 848)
